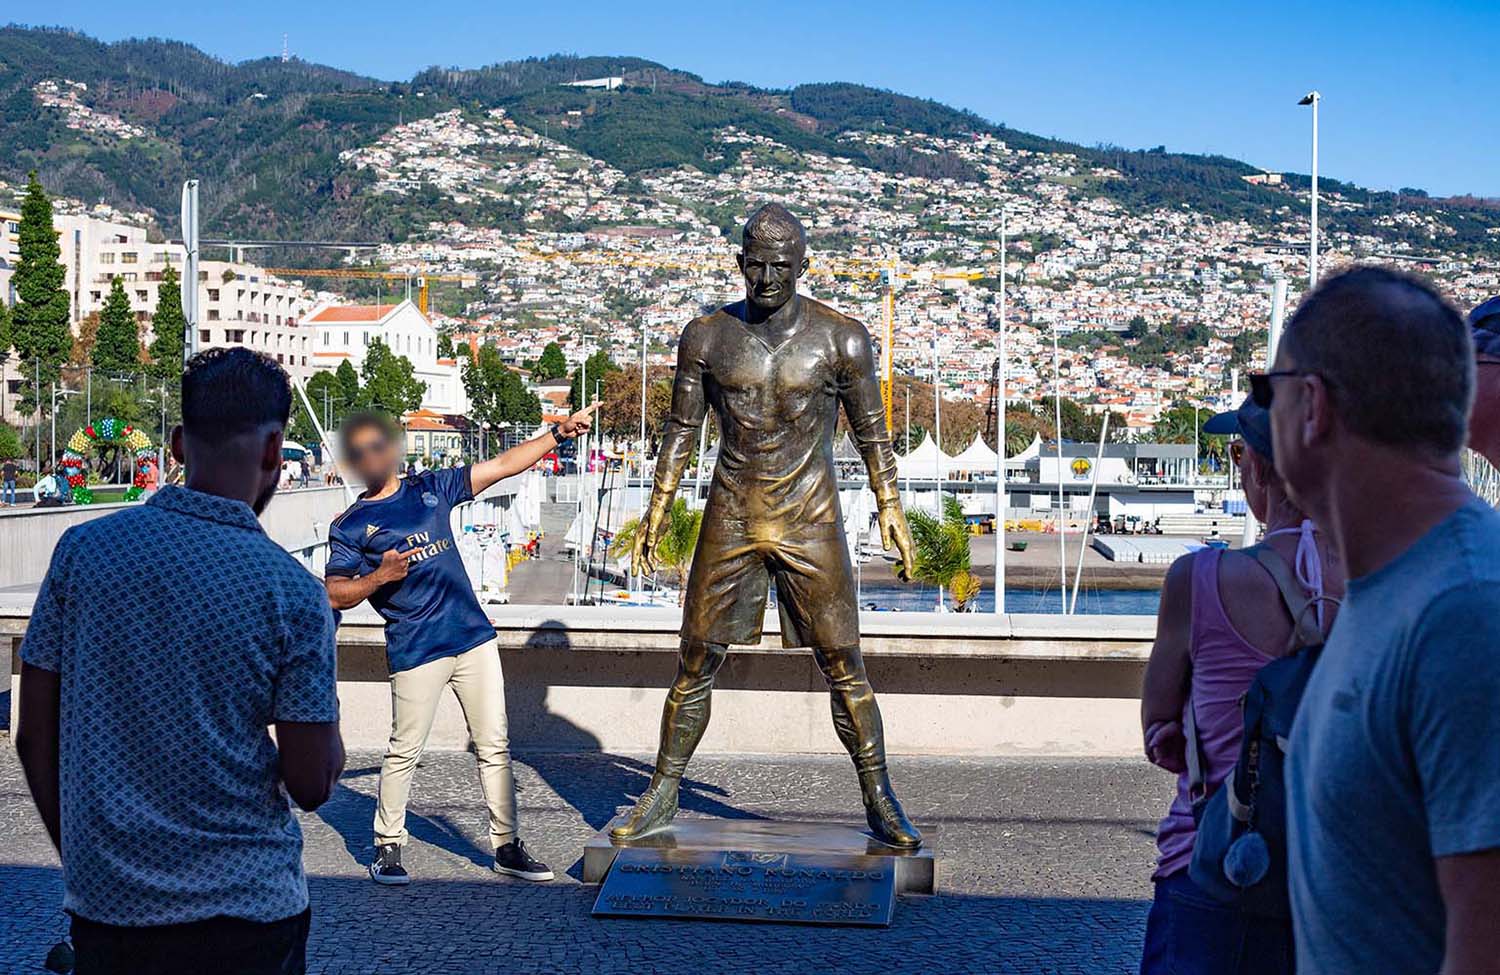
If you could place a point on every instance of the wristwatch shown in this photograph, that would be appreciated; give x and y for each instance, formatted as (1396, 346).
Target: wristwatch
(557, 435)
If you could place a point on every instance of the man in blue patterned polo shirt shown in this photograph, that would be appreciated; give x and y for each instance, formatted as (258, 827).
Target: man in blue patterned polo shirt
(146, 745)
(394, 547)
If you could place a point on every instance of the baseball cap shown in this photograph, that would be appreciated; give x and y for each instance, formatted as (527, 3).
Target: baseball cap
(1485, 322)
(1252, 423)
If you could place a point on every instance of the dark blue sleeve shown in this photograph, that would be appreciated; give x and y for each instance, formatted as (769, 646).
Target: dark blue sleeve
(307, 681)
(452, 484)
(344, 556)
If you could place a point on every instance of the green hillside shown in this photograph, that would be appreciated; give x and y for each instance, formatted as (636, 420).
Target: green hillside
(266, 137)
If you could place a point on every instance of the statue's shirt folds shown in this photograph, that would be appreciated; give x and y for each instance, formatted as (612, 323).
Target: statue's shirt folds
(778, 405)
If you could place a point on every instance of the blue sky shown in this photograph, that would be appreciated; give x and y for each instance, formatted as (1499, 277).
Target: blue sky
(1411, 95)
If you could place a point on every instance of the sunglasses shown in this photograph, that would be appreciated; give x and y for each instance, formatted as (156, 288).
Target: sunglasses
(1236, 451)
(1261, 390)
(357, 451)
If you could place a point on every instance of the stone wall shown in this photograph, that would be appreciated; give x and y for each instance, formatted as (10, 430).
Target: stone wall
(592, 679)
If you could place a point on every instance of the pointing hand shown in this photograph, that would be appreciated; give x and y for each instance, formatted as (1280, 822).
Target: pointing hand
(393, 566)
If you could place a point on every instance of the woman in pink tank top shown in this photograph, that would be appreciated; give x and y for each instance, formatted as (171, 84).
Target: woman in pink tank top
(1222, 618)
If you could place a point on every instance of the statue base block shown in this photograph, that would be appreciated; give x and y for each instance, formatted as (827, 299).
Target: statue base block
(755, 870)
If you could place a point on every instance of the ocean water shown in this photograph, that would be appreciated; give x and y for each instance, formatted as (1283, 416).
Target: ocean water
(915, 598)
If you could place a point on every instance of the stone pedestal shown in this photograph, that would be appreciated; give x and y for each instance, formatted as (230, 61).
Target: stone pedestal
(915, 871)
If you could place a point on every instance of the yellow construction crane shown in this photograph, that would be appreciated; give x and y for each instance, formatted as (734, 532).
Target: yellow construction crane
(887, 273)
(464, 280)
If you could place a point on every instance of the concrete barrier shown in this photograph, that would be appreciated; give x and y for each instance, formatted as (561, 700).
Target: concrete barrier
(590, 679)
(28, 535)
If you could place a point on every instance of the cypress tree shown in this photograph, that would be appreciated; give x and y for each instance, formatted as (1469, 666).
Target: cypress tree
(169, 328)
(39, 327)
(117, 347)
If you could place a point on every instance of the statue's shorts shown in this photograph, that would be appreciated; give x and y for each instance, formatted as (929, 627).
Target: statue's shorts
(736, 561)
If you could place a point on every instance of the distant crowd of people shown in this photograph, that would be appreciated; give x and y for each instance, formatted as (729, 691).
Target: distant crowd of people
(1329, 698)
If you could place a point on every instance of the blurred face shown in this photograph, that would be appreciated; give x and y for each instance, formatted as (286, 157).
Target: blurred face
(372, 455)
(1253, 470)
(1484, 420)
(771, 272)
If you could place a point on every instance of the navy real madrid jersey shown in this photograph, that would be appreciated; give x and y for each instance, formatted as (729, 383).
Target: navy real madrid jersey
(433, 612)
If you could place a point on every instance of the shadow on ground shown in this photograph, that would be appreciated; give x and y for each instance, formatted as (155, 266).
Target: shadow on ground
(448, 926)
(558, 749)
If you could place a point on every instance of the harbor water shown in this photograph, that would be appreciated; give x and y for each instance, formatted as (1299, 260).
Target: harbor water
(1109, 602)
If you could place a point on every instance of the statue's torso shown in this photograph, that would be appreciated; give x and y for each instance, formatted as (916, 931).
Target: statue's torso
(777, 406)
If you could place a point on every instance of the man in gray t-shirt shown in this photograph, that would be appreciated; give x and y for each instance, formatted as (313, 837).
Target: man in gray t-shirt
(1395, 756)
(1393, 768)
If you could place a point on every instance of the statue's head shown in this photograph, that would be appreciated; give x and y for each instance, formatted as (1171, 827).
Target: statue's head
(772, 256)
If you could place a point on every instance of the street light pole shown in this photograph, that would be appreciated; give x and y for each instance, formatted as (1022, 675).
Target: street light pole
(640, 487)
(937, 424)
(36, 428)
(1312, 98)
(1062, 501)
(1000, 440)
(907, 448)
(55, 394)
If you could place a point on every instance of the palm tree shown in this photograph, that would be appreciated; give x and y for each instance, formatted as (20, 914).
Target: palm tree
(965, 587)
(942, 548)
(679, 539)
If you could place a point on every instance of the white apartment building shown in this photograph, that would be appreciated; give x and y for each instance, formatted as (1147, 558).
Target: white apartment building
(239, 304)
(343, 333)
(10, 253)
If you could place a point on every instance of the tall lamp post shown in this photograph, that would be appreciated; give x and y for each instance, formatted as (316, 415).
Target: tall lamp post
(1312, 98)
(52, 458)
(1000, 437)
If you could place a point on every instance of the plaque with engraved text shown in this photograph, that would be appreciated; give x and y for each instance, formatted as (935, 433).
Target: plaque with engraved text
(790, 888)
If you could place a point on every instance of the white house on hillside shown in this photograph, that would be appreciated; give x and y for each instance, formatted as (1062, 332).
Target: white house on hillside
(344, 332)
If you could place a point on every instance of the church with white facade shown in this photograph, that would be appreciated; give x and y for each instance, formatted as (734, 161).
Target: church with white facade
(343, 333)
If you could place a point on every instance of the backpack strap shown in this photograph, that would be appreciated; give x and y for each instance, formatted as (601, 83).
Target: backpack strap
(1197, 765)
(1197, 774)
(1305, 632)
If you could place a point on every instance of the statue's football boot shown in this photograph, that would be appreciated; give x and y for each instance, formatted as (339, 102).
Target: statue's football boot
(889, 823)
(653, 811)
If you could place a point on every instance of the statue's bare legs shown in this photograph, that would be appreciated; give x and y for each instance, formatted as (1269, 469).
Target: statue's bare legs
(856, 719)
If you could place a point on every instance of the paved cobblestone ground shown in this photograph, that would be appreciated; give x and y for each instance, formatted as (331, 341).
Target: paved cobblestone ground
(1045, 869)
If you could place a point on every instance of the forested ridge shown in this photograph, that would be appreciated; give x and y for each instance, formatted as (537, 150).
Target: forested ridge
(265, 137)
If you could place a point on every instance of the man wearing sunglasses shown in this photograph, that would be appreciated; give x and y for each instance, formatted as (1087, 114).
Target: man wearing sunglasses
(1393, 767)
(394, 547)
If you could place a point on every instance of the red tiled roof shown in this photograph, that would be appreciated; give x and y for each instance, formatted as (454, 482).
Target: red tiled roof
(351, 313)
(427, 423)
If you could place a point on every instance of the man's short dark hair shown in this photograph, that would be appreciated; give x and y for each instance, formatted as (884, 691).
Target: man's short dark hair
(776, 225)
(228, 392)
(1396, 356)
(366, 420)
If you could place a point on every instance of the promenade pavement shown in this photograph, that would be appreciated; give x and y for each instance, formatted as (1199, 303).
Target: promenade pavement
(1044, 869)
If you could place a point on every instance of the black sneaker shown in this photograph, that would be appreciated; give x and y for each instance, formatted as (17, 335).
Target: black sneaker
(387, 867)
(513, 861)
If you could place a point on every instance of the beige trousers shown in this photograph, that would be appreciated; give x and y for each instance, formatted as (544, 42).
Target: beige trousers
(475, 678)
